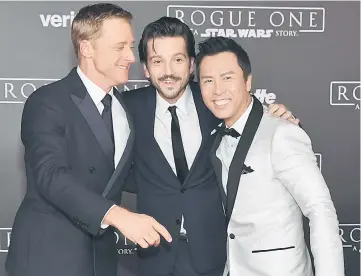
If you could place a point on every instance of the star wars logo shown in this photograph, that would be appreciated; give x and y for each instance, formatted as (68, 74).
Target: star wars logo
(17, 90)
(249, 21)
(350, 236)
(345, 93)
(124, 246)
(5, 236)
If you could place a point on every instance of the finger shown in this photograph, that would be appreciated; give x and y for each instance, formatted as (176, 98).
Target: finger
(272, 108)
(142, 243)
(287, 115)
(295, 121)
(149, 239)
(155, 236)
(157, 243)
(162, 230)
(280, 112)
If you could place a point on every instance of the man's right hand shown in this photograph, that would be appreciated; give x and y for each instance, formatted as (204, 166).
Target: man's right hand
(141, 229)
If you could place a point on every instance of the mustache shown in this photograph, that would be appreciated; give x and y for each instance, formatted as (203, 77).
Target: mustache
(169, 77)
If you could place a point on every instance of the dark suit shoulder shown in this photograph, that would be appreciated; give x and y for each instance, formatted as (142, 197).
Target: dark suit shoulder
(136, 99)
(135, 94)
(50, 93)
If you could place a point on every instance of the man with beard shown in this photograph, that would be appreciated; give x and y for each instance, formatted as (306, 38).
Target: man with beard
(172, 167)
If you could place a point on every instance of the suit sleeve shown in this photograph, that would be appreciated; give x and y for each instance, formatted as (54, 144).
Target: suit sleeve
(295, 165)
(43, 131)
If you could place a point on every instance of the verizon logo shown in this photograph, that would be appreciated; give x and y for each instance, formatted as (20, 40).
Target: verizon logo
(57, 20)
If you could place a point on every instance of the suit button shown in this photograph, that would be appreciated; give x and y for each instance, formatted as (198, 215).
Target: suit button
(178, 221)
(183, 190)
(91, 169)
(232, 236)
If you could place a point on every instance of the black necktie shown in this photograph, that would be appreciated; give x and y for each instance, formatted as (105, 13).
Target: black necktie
(178, 149)
(228, 131)
(107, 118)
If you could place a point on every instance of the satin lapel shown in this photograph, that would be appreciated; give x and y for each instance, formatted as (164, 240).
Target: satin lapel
(86, 106)
(243, 146)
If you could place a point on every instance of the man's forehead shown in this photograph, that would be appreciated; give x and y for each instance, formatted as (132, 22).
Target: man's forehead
(158, 42)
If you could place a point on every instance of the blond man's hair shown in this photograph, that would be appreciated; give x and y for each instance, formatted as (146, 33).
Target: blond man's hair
(88, 22)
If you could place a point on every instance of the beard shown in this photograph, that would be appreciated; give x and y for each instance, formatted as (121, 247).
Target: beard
(172, 92)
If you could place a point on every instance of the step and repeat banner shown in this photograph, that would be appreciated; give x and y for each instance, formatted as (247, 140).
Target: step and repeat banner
(305, 55)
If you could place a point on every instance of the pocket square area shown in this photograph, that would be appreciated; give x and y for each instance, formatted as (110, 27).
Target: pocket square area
(246, 169)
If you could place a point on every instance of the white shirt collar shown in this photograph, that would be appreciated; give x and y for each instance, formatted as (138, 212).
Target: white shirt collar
(241, 122)
(95, 92)
(184, 103)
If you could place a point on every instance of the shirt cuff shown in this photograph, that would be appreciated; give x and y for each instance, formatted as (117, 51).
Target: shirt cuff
(104, 226)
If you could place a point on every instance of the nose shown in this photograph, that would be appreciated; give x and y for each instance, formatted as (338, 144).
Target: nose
(130, 57)
(218, 88)
(168, 69)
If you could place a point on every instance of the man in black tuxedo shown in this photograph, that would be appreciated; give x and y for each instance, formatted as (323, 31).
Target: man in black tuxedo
(78, 139)
(172, 169)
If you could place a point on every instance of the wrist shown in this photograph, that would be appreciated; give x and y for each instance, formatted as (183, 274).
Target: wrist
(115, 215)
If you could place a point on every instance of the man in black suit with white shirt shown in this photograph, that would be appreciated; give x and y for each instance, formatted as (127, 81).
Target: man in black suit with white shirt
(78, 139)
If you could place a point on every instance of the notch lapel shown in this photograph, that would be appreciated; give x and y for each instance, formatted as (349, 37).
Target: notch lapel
(243, 146)
(206, 123)
(148, 129)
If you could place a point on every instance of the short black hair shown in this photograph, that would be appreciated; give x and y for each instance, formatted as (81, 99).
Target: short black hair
(166, 27)
(215, 45)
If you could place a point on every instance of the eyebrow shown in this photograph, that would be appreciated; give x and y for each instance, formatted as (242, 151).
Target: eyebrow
(122, 43)
(228, 73)
(223, 74)
(159, 56)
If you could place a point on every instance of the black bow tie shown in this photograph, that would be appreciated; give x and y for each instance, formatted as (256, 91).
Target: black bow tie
(228, 131)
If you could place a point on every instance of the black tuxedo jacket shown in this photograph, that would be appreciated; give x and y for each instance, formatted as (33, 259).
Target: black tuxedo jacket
(161, 195)
(70, 185)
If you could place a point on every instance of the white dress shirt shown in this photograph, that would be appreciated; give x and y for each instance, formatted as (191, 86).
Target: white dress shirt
(228, 145)
(120, 122)
(189, 128)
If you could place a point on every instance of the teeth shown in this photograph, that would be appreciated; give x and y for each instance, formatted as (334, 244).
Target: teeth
(222, 102)
(168, 81)
(123, 67)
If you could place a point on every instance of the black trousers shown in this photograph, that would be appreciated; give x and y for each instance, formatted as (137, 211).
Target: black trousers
(184, 265)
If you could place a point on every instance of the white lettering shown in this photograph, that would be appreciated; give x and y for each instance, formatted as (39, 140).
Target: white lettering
(9, 87)
(281, 16)
(343, 92)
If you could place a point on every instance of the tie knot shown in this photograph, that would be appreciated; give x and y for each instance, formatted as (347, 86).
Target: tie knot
(172, 110)
(107, 101)
(228, 131)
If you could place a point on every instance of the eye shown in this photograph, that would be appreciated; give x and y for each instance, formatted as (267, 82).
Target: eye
(178, 59)
(156, 61)
(207, 81)
(227, 77)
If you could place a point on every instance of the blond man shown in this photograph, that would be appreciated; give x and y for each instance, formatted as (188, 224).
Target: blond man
(78, 141)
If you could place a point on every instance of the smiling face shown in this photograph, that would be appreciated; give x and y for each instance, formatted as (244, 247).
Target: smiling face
(168, 66)
(224, 89)
(107, 58)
